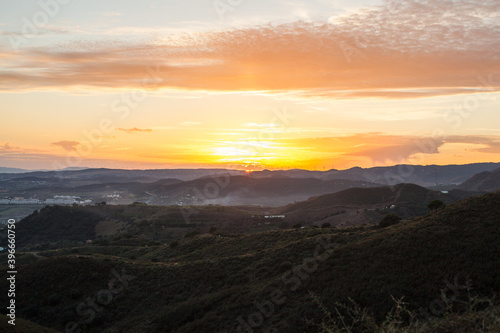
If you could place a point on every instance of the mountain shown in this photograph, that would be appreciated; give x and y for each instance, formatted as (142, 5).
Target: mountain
(13, 170)
(207, 186)
(483, 182)
(428, 175)
(277, 281)
(117, 175)
(368, 205)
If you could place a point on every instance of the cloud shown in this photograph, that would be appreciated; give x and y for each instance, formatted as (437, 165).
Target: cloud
(134, 130)
(403, 49)
(383, 149)
(66, 145)
(488, 144)
(7, 147)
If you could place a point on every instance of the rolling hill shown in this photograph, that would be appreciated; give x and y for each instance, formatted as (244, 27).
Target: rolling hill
(483, 182)
(247, 190)
(368, 205)
(278, 281)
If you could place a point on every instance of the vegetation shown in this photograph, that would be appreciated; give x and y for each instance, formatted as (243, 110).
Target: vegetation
(388, 220)
(436, 205)
(435, 273)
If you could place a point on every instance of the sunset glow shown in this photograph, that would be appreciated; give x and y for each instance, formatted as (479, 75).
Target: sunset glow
(268, 84)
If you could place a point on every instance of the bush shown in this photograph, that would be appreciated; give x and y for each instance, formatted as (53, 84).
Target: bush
(388, 220)
(174, 244)
(326, 225)
(212, 230)
(436, 205)
(297, 226)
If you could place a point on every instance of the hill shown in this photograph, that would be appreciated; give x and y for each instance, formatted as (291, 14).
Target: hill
(59, 226)
(247, 190)
(208, 186)
(264, 281)
(483, 182)
(368, 205)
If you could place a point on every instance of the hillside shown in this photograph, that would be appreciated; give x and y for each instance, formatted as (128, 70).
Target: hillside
(211, 283)
(58, 226)
(247, 190)
(368, 205)
(483, 182)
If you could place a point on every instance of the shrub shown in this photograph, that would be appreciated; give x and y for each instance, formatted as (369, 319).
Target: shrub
(388, 220)
(174, 244)
(297, 226)
(326, 225)
(436, 205)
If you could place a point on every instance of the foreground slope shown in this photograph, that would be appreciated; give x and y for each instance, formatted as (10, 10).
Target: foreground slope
(211, 283)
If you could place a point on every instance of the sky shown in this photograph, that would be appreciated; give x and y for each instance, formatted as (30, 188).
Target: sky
(248, 84)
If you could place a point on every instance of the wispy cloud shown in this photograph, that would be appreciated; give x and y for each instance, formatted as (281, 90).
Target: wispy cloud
(417, 48)
(135, 130)
(388, 149)
(7, 146)
(67, 145)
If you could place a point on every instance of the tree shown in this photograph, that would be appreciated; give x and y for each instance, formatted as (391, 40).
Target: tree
(388, 220)
(436, 205)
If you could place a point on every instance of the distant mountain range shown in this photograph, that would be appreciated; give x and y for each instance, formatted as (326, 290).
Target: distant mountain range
(13, 170)
(236, 187)
(428, 175)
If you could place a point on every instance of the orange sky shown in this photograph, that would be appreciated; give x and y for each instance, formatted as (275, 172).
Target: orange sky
(296, 85)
